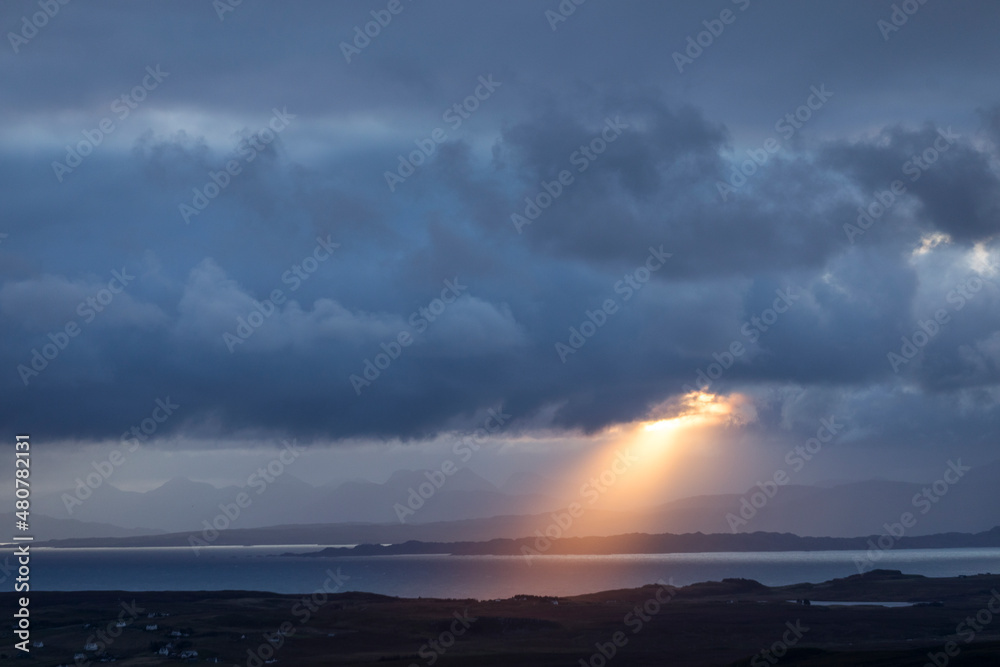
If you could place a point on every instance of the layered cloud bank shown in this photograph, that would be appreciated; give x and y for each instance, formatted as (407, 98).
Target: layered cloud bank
(804, 214)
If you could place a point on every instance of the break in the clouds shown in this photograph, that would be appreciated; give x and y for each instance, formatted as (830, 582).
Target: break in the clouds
(290, 229)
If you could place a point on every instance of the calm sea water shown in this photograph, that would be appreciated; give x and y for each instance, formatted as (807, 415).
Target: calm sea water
(481, 577)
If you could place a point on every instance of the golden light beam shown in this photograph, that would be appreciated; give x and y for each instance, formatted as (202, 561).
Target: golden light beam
(660, 442)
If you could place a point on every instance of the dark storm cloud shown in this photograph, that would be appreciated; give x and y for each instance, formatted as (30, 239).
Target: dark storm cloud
(658, 182)
(956, 186)
(607, 70)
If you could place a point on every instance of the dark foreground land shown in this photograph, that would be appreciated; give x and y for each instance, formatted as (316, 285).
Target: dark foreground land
(715, 623)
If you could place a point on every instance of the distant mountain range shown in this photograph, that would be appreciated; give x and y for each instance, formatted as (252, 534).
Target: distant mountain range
(45, 527)
(181, 504)
(470, 508)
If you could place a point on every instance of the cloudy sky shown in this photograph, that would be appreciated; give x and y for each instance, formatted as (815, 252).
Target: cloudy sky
(288, 228)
